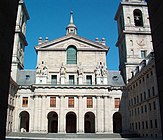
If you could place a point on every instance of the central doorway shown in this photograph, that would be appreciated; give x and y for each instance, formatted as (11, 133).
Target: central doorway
(117, 122)
(24, 121)
(89, 122)
(52, 122)
(71, 122)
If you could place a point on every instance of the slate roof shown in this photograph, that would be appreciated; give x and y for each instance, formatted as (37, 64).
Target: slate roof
(26, 77)
(115, 78)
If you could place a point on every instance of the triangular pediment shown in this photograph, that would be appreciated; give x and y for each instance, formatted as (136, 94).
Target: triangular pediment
(79, 42)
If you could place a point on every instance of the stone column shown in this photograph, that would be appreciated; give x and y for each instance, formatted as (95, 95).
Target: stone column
(106, 114)
(100, 115)
(61, 115)
(43, 115)
(16, 120)
(80, 115)
(31, 117)
(36, 104)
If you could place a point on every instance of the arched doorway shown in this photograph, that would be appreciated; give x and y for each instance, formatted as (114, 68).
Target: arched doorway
(89, 122)
(71, 122)
(24, 121)
(52, 122)
(117, 122)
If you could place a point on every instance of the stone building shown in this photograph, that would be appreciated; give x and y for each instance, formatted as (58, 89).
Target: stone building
(17, 60)
(71, 89)
(11, 104)
(137, 65)
(143, 100)
(134, 35)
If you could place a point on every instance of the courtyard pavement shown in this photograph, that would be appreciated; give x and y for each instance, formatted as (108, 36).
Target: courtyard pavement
(38, 136)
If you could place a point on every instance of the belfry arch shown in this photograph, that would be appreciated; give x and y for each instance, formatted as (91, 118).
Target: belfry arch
(89, 122)
(117, 122)
(24, 121)
(52, 122)
(70, 122)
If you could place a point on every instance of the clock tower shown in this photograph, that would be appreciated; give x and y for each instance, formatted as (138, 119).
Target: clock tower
(134, 35)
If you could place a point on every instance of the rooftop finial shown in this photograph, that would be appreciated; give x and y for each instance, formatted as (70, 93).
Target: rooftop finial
(71, 17)
(71, 28)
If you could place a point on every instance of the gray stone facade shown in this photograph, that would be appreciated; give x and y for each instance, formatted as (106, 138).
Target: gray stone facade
(71, 89)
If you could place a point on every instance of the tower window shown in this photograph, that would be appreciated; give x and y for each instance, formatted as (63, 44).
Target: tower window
(138, 19)
(143, 53)
(71, 55)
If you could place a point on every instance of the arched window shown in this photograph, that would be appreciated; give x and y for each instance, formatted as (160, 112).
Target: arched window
(138, 19)
(71, 55)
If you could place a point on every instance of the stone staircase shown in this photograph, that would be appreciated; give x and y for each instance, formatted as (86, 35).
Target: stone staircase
(53, 135)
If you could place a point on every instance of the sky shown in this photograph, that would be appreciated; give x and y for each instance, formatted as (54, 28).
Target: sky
(93, 18)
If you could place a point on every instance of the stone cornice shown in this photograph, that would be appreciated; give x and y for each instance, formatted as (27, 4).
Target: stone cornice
(45, 45)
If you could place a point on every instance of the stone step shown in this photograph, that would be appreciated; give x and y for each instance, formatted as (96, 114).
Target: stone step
(72, 135)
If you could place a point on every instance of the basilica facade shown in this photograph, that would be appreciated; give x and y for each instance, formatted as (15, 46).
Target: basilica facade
(71, 90)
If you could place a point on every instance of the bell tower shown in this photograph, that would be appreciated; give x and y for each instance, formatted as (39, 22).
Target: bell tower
(19, 40)
(134, 35)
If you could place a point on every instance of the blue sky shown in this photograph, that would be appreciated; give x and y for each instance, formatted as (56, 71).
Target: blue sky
(93, 18)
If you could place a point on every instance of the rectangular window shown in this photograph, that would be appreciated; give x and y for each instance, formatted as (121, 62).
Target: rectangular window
(154, 105)
(25, 102)
(138, 111)
(89, 79)
(117, 102)
(54, 79)
(71, 102)
(149, 93)
(143, 53)
(142, 125)
(145, 108)
(89, 102)
(142, 109)
(146, 124)
(71, 79)
(139, 125)
(150, 107)
(141, 97)
(151, 123)
(52, 101)
(155, 123)
(144, 95)
(137, 99)
(27, 77)
(153, 91)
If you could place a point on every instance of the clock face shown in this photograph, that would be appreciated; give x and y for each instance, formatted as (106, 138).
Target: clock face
(140, 42)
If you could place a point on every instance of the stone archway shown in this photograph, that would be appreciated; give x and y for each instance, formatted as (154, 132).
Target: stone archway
(117, 122)
(71, 122)
(24, 121)
(89, 122)
(52, 122)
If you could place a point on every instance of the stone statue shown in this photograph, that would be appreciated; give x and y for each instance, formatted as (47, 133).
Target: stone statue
(63, 70)
(101, 70)
(80, 70)
(41, 69)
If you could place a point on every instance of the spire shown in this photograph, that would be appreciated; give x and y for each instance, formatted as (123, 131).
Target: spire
(71, 18)
(71, 28)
